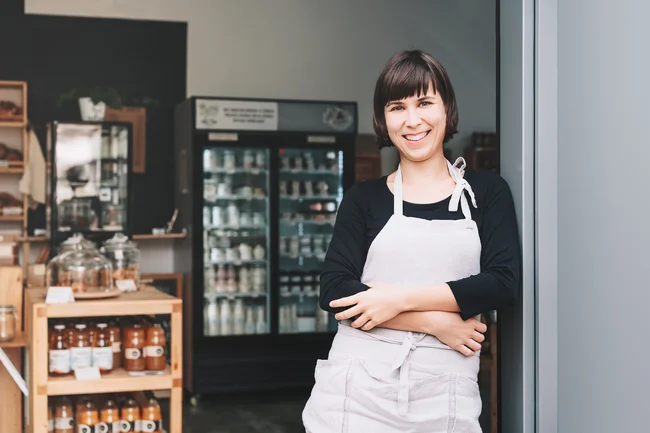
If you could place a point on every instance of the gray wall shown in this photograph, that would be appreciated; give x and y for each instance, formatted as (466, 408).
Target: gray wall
(603, 260)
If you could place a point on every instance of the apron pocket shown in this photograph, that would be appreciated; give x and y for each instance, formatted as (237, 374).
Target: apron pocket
(326, 408)
(468, 406)
(430, 405)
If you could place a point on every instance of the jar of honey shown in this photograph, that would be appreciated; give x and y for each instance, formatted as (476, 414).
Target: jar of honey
(109, 418)
(50, 419)
(63, 416)
(134, 344)
(151, 417)
(155, 348)
(59, 353)
(130, 417)
(80, 351)
(102, 349)
(87, 417)
(115, 337)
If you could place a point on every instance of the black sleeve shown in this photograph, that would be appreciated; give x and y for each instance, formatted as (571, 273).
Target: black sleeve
(346, 255)
(498, 282)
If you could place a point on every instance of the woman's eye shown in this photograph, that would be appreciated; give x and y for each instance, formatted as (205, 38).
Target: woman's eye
(425, 103)
(396, 108)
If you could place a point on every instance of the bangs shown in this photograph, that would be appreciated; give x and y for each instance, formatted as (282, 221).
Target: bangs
(408, 79)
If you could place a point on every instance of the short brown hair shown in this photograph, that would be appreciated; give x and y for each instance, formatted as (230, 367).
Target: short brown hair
(408, 73)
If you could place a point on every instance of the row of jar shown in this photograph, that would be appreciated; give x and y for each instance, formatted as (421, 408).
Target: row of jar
(134, 346)
(297, 188)
(242, 252)
(231, 216)
(306, 161)
(306, 245)
(235, 279)
(104, 414)
(302, 315)
(84, 268)
(233, 317)
(220, 187)
(225, 159)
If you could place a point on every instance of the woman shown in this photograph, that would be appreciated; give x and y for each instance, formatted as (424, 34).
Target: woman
(415, 258)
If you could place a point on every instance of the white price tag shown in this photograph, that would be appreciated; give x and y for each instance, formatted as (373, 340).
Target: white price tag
(126, 285)
(87, 373)
(59, 295)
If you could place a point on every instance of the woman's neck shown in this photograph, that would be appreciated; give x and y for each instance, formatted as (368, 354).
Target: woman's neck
(431, 171)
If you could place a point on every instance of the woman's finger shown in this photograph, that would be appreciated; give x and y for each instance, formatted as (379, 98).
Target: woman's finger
(350, 312)
(362, 320)
(344, 302)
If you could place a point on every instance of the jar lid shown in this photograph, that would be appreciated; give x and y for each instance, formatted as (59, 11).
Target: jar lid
(76, 242)
(7, 309)
(119, 241)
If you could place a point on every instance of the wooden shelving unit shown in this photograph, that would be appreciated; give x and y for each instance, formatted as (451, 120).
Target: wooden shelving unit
(143, 302)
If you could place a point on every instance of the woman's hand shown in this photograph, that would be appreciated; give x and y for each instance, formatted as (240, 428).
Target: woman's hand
(373, 307)
(465, 336)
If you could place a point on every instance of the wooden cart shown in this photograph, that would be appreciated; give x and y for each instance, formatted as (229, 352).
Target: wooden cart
(146, 301)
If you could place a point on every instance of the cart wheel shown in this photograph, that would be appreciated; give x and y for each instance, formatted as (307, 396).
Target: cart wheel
(195, 400)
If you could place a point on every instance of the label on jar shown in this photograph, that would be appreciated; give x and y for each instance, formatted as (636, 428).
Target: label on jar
(149, 426)
(63, 423)
(60, 361)
(132, 353)
(80, 357)
(103, 427)
(50, 425)
(131, 426)
(83, 428)
(117, 346)
(154, 351)
(103, 358)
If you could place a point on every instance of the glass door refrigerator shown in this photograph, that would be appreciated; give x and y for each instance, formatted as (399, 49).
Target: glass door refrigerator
(259, 183)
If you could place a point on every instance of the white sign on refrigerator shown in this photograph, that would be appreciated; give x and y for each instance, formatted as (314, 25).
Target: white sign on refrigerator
(236, 115)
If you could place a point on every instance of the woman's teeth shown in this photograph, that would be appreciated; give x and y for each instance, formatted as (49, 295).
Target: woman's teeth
(417, 137)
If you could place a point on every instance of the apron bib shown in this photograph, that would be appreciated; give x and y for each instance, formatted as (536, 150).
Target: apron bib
(386, 380)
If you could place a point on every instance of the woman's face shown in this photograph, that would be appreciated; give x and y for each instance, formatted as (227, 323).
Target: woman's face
(416, 125)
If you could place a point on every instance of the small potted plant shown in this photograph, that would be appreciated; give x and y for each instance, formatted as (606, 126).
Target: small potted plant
(92, 101)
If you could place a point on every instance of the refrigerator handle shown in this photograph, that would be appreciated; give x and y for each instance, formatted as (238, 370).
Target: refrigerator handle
(183, 175)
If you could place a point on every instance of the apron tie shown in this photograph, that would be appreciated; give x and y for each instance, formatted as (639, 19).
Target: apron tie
(461, 185)
(401, 363)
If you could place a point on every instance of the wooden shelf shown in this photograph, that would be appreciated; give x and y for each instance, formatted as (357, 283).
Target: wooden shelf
(165, 236)
(147, 300)
(33, 239)
(118, 380)
(11, 217)
(12, 170)
(19, 341)
(12, 124)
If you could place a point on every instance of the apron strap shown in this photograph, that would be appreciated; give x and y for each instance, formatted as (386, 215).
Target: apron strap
(398, 205)
(462, 185)
(402, 363)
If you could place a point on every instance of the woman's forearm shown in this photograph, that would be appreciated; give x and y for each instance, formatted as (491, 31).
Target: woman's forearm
(414, 321)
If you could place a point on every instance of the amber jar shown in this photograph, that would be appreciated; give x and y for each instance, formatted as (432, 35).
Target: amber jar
(59, 353)
(109, 418)
(151, 417)
(63, 416)
(155, 348)
(80, 350)
(134, 343)
(87, 417)
(115, 337)
(7, 323)
(102, 349)
(50, 419)
(130, 417)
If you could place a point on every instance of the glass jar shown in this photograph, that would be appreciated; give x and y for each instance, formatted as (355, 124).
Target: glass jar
(76, 242)
(7, 322)
(125, 258)
(85, 270)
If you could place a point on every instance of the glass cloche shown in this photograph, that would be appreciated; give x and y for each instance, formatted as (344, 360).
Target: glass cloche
(125, 258)
(76, 242)
(85, 270)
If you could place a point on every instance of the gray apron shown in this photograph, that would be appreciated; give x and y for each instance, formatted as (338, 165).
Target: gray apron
(386, 380)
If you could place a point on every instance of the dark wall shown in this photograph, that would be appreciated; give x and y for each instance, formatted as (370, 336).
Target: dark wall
(145, 61)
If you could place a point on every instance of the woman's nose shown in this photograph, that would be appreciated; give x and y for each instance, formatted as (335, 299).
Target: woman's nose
(413, 118)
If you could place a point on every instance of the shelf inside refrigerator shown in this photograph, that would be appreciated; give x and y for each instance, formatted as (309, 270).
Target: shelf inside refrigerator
(236, 239)
(310, 191)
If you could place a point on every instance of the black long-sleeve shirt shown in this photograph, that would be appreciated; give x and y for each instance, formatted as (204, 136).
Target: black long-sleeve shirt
(367, 207)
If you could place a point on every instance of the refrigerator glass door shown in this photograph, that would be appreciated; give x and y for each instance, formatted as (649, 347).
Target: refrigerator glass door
(235, 241)
(310, 191)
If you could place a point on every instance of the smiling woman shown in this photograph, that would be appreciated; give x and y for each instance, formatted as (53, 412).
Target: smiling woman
(415, 257)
